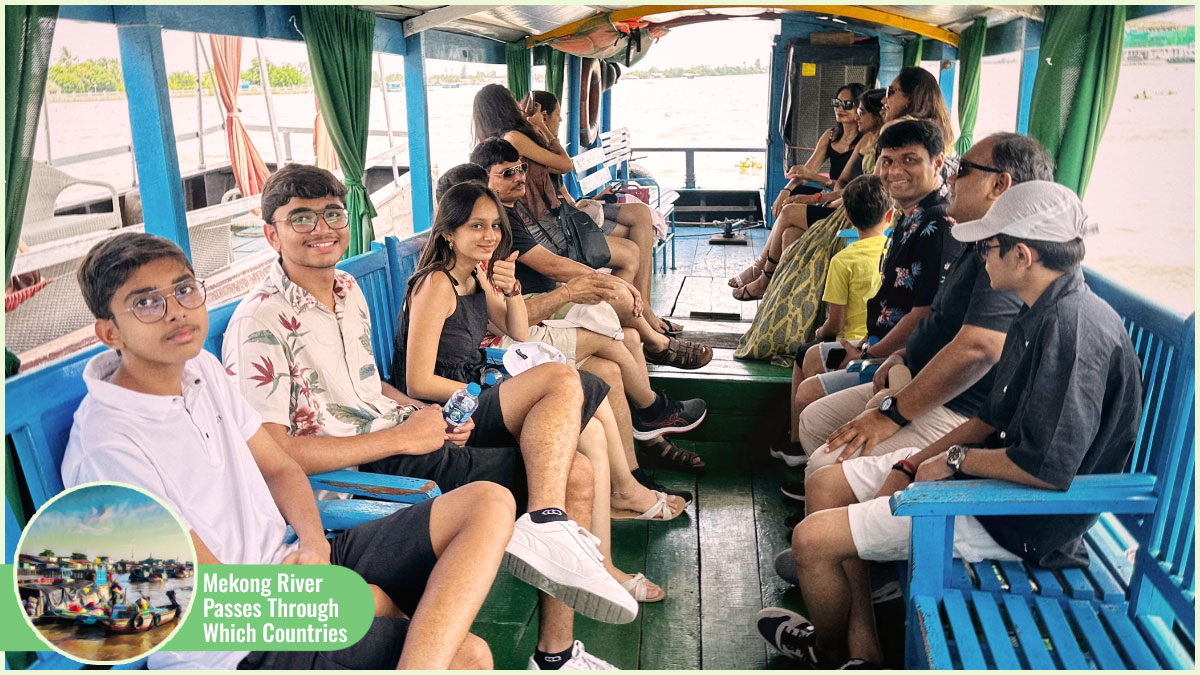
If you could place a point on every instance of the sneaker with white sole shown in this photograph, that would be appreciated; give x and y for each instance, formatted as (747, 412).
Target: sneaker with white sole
(564, 561)
(580, 660)
(789, 633)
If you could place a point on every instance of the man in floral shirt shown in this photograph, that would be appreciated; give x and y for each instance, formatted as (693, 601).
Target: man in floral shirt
(919, 254)
(299, 347)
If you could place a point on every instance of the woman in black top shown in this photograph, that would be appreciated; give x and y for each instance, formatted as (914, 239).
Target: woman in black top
(466, 278)
(836, 145)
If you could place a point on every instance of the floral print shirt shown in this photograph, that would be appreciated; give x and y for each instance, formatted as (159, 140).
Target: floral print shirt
(919, 254)
(304, 366)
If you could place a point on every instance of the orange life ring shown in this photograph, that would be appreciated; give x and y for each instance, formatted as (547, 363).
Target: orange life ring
(589, 102)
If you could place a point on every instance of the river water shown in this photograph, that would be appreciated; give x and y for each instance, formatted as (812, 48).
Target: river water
(94, 644)
(1142, 190)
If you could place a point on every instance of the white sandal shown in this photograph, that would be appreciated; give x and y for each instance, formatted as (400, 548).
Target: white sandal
(659, 511)
(638, 586)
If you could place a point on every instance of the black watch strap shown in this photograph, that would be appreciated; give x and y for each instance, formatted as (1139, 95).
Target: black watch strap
(889, 409)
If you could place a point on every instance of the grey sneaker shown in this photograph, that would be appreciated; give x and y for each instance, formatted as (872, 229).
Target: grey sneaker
(563, 560)
(580, 660)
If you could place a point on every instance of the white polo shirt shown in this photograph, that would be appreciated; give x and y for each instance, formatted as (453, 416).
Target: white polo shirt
(191, 452)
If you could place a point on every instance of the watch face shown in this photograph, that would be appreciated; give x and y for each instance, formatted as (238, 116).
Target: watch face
(887, 403)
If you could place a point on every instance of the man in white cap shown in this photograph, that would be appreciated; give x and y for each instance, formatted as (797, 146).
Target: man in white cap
(1066, 400)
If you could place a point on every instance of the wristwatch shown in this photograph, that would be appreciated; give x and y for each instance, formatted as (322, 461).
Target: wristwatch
(887, 407)
(955, 455)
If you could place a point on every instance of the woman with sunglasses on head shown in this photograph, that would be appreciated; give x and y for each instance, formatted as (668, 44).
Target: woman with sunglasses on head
(465, 279)
(532, 128)
(837, 145)
(791, 309)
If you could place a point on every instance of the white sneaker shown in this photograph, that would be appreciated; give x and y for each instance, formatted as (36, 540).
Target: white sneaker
(563, 560)
(580, 660)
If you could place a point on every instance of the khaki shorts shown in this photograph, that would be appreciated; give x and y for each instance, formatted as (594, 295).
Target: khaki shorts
(879, 535)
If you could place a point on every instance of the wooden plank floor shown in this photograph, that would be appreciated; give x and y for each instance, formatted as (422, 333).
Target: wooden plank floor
(716, 562)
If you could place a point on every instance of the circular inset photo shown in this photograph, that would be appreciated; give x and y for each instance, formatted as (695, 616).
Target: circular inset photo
(105, 573)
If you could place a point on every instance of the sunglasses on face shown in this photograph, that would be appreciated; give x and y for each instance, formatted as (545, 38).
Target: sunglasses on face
(151, 306)
(511, 171)
(965, 167)
(844, 105)
(304, 222)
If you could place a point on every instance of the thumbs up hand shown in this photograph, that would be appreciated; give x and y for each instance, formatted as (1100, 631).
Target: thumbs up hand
(504, 274)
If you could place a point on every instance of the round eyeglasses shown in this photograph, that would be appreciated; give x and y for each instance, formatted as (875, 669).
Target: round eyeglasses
(305, 221)
(151, 306)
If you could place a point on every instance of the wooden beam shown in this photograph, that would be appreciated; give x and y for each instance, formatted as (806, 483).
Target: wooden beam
(847, 11)
(440, 17)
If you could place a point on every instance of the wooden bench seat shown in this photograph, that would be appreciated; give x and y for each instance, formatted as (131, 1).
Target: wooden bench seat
(1133, 606)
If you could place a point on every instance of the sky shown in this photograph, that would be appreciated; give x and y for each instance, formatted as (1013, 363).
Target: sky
(107, 520)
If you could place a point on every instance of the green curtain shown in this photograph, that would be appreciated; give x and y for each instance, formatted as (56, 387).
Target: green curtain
(28, 32)
(1079, 61)
(912, 52)
(970, 59)
(556, 69)
(516, 57)
(339, 40)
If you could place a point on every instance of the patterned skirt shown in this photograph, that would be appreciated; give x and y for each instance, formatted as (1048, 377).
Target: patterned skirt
(791, 310)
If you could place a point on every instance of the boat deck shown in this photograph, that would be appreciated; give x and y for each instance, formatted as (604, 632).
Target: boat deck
(716, 562)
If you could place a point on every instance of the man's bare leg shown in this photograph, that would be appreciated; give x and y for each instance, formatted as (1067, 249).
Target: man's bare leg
(627, 355)
(541, 408)
(637, 226)
(840, 588)
(473, 654)
(654, 341)
(556, 627)
(468, 529)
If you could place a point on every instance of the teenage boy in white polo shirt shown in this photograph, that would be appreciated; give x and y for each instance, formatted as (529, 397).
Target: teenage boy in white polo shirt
(161, 414)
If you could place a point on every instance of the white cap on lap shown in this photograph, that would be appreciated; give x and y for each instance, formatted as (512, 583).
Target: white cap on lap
(1037, 210)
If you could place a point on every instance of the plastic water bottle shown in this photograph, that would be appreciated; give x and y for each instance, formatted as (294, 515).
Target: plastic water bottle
(492, 377)
(458, 409)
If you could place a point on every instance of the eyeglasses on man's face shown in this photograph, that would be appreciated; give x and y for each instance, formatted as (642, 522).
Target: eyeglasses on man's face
(305, 221)
(844, 105)
(511, 171)
(983, 248)
(965, 167)
(151, 306)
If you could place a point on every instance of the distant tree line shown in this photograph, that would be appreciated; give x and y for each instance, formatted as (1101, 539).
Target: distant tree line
(709, 71)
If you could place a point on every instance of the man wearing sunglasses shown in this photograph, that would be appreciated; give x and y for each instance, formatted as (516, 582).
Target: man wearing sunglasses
(952, 351)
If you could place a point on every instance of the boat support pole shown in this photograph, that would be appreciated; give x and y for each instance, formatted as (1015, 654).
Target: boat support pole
(199, 100)
(156, 157)
(265, 82)
(220, 111)
(46, 124)
(387, 118)
(420, 168)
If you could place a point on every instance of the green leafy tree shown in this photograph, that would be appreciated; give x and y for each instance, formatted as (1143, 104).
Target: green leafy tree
(252, 76)
(181, 80)
(47, 553)
(284, 76)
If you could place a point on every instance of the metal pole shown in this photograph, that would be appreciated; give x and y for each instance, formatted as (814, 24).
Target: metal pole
(266, 87)
(46, 124)
(689, 175)
(199, 100)
(387, 116)
(217, 100)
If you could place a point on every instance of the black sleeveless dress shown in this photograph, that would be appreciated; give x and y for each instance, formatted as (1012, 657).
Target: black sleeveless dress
(837, 163)
(460, 358)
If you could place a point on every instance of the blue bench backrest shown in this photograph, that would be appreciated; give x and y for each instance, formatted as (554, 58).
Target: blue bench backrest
(41, 403)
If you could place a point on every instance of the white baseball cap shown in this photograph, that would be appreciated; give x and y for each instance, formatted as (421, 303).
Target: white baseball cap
(1037, 210)
(522, 356)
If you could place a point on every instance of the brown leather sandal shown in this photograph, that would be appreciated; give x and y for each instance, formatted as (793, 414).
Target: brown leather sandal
(683, 354)
(667, 455)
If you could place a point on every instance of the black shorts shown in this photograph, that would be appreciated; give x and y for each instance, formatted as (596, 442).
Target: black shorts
(394, 553)
(489, 419)
(453, 467)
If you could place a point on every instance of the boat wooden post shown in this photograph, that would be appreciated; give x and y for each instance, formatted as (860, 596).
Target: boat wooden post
(152, 128)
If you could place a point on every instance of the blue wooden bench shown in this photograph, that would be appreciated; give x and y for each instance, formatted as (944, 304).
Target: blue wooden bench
(42, 403)
(1133, 607)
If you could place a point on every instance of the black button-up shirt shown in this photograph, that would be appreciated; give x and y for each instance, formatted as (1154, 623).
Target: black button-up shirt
(966, 297)
(1066, 401)
(919, 254)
